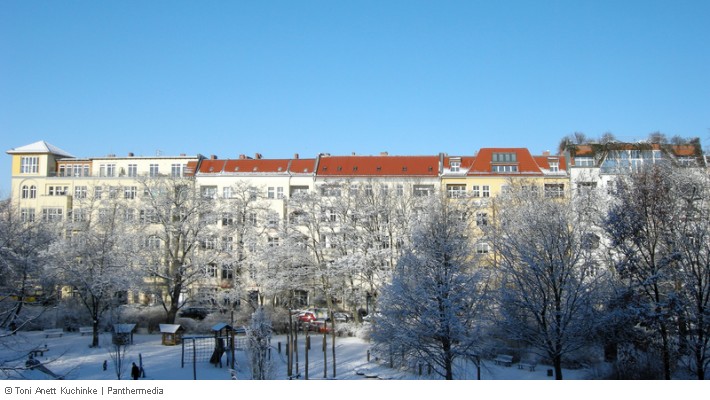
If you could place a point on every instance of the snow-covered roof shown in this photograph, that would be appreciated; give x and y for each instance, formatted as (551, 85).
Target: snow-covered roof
(218, 327)
(169, 328)
(123, 328)
(40, 147)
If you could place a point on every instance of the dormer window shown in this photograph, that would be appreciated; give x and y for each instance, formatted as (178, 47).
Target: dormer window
(504, 157)
(554, 165)
(455, 165)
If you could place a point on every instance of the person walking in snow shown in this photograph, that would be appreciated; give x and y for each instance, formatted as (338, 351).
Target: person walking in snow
(135, 372)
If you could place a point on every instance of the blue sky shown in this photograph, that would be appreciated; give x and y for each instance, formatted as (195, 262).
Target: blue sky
(407, 77)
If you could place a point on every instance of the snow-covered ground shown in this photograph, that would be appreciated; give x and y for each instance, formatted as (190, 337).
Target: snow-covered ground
(71, 357)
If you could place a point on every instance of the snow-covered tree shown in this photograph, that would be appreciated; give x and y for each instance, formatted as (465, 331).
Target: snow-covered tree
(179, 238)
(95, 259)
(431, 311)
(259, 334)
(548, 276)
(639, 224)
(23, 255)
(690, 243)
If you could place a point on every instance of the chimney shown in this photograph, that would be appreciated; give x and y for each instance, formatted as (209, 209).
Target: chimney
(213, 157)
(242, 157)
(384, 153)
(295, 156)
(257, 156)
(546, 153)
(130, 154)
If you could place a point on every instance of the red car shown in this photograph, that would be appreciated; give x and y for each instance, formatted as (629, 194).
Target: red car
(306, 316)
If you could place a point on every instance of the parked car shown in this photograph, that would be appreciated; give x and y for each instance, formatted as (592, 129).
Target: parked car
(342, 317)
(306, 316)
(194, 313)
(319, 325)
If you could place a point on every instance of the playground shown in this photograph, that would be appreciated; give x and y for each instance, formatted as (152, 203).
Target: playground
(69, 357)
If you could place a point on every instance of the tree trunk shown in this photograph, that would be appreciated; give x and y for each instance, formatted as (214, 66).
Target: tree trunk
(557, 363)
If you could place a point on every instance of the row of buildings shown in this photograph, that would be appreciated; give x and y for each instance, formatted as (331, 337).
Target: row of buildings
(48, 183)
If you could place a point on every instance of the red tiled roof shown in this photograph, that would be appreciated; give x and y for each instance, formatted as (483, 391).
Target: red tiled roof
(544, 162)
(264, 166)
(525, 162)
(378, 166)
(466, 161)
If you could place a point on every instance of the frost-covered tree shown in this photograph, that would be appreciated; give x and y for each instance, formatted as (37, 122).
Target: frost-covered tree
(23, 255)
(639, 224)
(548, 276)
(690, 242)
(179, 238)
(95, 259)
(431, 311)
(259, 334)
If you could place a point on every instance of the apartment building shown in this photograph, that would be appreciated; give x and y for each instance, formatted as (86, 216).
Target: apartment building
(49, 184)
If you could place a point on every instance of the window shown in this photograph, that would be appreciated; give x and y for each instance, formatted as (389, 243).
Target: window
(152, 242)
(298, 190)
(270, 193)
(227, 243)
(80, 192)
(530, 190)
(476, 191)
(29, 165)
(211, 270)
(368, 190)
(130, 192)
(423, 190)
(486, 191)
(209, 192)
(554, 166)
(104, 216)
(272, 241)
(52, 214)
(272, 219)
(504, 157)
(61, 170)
(227, 271)
(112, 192)
(250, 218)
(129, 215)
(455, 191)
(384, 190)
(27, 215)
(107, 170)
(132, 170)
(177, 170)
(227, 192)
(98, 191)
(504, 168)
(148, 216)
(29, 192)
(227, 219)
(400, 190)
(57, 190)
(584, 161)
(586, 187)
(86, 170)
(78, 170)
(481, 218)
(279, 193)
(154, 170)
(330, 215)
(330, 190)
(482, 248)
(554, 190)
(455, 166)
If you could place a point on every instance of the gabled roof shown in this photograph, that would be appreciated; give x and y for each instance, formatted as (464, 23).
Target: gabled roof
(544, 162)
(40, 147)
(524, 160)
(360, 166)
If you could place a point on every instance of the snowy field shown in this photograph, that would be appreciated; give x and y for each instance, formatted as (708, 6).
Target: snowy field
(69, 356)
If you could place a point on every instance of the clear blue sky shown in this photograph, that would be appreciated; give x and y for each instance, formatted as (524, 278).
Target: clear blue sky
(408, 77)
